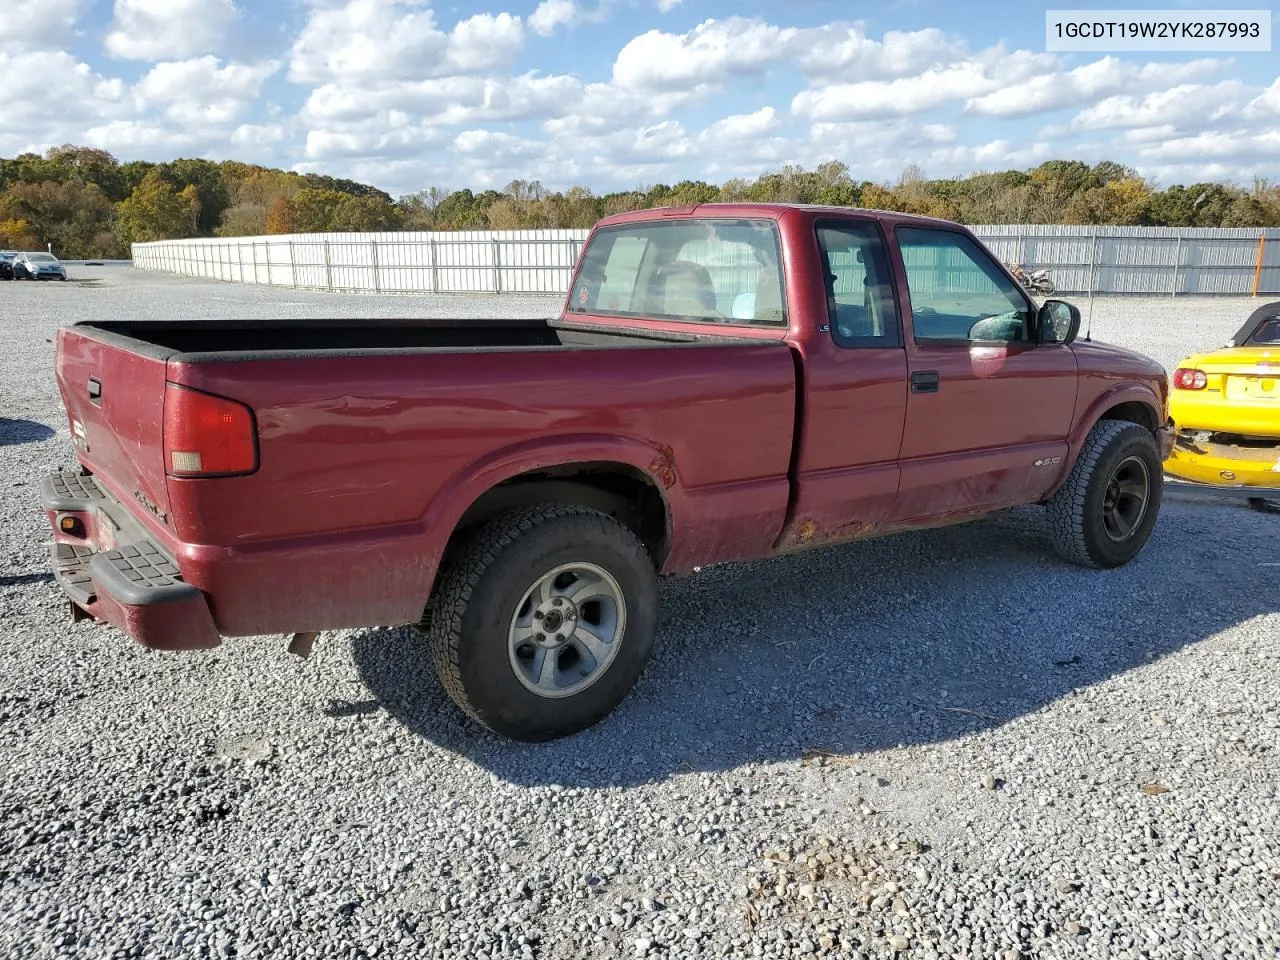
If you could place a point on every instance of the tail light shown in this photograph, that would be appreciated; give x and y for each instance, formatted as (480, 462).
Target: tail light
(207, 436)
(1184, 378)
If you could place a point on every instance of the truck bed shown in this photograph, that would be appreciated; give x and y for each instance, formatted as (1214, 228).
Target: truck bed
(374, 438)
(267, 339)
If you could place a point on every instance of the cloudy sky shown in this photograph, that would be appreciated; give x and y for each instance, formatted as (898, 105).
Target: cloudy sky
(616, 94)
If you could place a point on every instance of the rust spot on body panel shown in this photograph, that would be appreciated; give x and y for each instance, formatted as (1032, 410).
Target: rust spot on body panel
(797, 535)
(664, 467)
(807, 533)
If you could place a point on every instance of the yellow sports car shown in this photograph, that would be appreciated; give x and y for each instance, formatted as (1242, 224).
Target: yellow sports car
(1226, 409)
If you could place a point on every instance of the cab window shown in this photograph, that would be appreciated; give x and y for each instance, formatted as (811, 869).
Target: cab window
(860, 302)
(958, 293)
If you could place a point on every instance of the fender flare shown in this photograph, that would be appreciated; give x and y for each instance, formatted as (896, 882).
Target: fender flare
(1129, 392)
(468, 484)
(1114, 397)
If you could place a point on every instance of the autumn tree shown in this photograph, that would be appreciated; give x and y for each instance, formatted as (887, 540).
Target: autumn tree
(279, 219)
(18, 235)
(313, 209)
(367, 214)
(576, 208)
(75, 217)
(418, 210)
(211, 189)
(156, 211)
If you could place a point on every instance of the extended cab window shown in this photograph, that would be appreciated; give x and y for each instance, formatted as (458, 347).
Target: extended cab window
(860, 301)
(717, 270)
(957, 292)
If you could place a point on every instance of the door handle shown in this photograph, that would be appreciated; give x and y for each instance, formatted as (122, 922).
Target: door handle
(924, 381)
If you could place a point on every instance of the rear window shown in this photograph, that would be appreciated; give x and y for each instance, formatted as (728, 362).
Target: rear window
(1268, 332)
(725, 271)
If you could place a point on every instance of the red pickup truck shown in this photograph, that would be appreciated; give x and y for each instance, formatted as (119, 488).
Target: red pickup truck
(726, 382)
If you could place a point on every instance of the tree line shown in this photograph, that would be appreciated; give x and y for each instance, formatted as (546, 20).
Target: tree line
(85, 203)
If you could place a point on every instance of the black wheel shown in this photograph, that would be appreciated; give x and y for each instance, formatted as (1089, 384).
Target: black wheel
(1103, 515)
(542, 623)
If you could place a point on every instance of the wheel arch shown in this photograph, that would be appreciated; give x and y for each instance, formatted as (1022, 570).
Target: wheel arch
(628, 494)
(630, 480)
(1131, 402)
(1136, 403)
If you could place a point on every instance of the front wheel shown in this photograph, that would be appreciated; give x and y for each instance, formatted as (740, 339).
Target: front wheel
(1103, 514)
(543, 622)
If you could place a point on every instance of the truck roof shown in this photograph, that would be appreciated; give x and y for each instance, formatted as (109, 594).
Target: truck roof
(771, 211)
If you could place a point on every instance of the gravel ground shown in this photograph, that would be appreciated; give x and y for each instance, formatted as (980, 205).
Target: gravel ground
(940, 744)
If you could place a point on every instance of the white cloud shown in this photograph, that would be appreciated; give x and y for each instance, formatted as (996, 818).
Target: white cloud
(202, 91)
(169, 29)
(1220, 146)
(666, 6)
(1267, 104)
(147, 137)
(844, 52)
(994, 83)
(375, 141)
(257, 134)
(1055, 90)
(32, 80)
(742, 126)
(38, 23)
(717, 50)
(387, 40)
(905, 96)
(710, 53)
(1186, 103)
(485, 41)
(551, 14)
(1166, 131)
(494, 147)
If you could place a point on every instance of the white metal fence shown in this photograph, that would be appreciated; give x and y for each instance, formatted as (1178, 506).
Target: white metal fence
(1138, 260)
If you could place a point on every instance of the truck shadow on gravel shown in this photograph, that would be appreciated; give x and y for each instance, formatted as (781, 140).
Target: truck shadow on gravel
(14, 432)
(913, 639)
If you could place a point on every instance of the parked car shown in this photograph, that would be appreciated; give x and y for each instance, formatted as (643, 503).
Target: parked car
(38, 266)
(1226, 409)
(725, 382)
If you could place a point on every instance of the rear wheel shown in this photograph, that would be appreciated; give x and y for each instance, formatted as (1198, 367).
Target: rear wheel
(543, 621)
(1103, 514)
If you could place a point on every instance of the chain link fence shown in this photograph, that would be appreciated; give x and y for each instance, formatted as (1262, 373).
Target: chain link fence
(1080, 260)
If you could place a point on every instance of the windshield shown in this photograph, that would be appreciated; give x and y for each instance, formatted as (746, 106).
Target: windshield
(41, 258)
(1268, 332)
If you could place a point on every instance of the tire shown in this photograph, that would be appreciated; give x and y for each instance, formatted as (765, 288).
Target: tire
(1086, 529)
(485, 601)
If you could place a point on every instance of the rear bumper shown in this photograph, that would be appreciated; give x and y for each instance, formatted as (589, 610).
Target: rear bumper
(111, 571)
(1225, 463)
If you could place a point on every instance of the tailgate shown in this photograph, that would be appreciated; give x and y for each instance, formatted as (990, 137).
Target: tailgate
(114, 397)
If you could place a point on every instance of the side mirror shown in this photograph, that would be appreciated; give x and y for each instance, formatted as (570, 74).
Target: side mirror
(1057, 322)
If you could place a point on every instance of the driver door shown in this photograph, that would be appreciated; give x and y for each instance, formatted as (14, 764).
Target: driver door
(988, 409)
